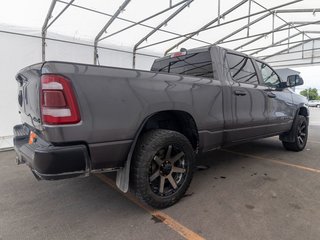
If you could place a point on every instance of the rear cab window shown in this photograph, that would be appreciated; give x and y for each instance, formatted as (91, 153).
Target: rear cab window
(197, 64)
(241, 69)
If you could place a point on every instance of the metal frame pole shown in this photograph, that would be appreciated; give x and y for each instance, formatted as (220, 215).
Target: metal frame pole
(290, 60)
(237, 39)
(111, 20)
(289, 37)
(312, 52)
(44, 29)
(269, 32)
(249, 12)
(127, 20)
(46, 24)
(303, 45)
(281, 11)
(284, 50)
(259, 37)
(297, 65)
(59, 14)
(273, 19)
(219, 8)
(274, 44)
(150, 17)
(242, 28)
(192, 34)
(135, 48)
(304, 10)
(298, 51)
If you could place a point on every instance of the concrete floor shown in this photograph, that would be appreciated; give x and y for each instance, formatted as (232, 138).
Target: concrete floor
(251, 191)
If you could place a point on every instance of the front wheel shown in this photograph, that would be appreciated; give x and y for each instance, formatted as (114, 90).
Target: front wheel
(300, 134)
(162, 167)
(318, 106)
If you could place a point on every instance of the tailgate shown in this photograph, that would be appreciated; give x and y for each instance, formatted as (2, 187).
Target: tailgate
(28, 95)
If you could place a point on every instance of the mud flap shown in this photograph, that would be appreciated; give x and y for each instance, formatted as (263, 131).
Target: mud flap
(123, 175)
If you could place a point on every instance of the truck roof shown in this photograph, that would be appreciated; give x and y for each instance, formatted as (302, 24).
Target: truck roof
(207, 48)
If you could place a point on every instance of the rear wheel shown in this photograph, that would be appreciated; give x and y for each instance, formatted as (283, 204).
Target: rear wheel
(300, 133)
(318, 106)
(162, 168)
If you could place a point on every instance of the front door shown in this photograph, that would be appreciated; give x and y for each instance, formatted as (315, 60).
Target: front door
(281, 108)
(249, 101)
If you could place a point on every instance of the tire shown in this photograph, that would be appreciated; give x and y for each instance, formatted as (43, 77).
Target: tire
(318, 106)
(161, 176)
(300, 133)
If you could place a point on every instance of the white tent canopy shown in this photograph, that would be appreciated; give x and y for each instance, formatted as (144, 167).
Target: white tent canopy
(292, 20)
(283, 32)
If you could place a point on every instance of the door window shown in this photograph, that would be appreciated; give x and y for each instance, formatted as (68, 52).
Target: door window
(269, 77)
(242, 69)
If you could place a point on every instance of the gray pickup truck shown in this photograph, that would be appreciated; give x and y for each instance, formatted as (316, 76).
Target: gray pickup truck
(148, 126)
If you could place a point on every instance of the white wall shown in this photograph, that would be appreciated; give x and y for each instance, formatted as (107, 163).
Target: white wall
(17, 52)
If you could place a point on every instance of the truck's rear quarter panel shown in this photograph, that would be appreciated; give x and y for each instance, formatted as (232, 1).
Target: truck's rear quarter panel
(114, 102)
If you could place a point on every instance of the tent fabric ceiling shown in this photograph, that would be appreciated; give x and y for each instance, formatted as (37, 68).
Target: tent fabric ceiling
(84, 19)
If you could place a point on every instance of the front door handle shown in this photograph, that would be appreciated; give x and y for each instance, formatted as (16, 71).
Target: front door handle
(240, 93)
(271, 95)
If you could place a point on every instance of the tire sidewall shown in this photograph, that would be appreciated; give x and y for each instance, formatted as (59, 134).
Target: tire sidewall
(150, 150)
(300, 120)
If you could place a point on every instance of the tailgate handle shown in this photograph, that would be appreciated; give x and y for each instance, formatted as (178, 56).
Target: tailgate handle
(271, 95)
(240, 93)
(20, 78)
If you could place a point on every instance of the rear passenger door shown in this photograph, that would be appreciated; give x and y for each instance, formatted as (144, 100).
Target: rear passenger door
(249, 101)
(281, 108)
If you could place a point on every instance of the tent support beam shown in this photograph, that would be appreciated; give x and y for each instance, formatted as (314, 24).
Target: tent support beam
(269, 32)
(292, 59)
(127, 20)
(300, 24)
(288, 49)
(46, 24)
(188, 36)
(249, 12)
(275, 44)
(207, 26)
(219, 8)
(135, 48)
(295, 65)
(259, 37)
(242, 28)
(302, 46)
(312, 52)
(273, 19)
(283, 11)
(241, 38)
(111, 20)
(148, 18)
(298, 51)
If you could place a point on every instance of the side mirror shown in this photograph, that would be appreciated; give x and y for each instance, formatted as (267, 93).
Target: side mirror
(294, 80)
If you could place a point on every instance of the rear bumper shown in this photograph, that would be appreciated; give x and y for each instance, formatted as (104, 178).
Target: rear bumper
(50, 162)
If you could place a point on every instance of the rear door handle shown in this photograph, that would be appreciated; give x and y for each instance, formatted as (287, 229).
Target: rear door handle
(271, 95)
(240, 93)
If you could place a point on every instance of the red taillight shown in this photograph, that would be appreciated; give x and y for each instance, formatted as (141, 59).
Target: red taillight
(58, 102)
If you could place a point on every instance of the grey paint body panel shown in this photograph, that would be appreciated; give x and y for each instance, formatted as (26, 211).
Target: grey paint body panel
(114, 102)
